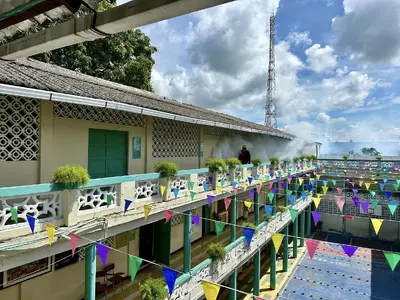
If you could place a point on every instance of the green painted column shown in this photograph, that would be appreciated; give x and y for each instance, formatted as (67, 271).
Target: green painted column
(233, 285)
(256, 275)
(206, 221)
(90, 272)
(256, 208)
(302, 221)
(275, 185)
(285, 262)
(295, 233)
(233, 219)
(187, 240)
(272, 269)
(308, 212)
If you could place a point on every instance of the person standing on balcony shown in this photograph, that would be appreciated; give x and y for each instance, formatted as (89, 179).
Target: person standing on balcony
(244, 155)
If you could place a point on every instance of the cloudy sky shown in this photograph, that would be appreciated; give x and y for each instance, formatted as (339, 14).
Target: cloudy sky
(337, 64)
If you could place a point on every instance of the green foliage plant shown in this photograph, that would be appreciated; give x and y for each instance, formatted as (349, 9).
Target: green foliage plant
(153, 289)
(378, 157)
(167, 169)
(216, 164)
(296, 159)
(281, 209)
(233, 162)
(303, 157)
(274, 160)
(256, 161)
(313, 157)
(216, 251)
(345, 157)
(70, 176)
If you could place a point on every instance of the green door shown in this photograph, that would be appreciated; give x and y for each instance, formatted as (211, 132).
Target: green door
(108, 153)
(162, 242)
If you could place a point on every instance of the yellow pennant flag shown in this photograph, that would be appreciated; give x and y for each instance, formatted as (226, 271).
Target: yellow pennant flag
(147, 209)
(248, 203)
(367, 184)
(376, 223)
(50, 232)
(316, 201)
(210, 290)
(301, 181)
(325, 189)
(219, 189)
(372, 178)
(319, 195)
(260, 181)
(163, 187)
(318, 177)
(245, 186)
(277, 239)
(312, 179)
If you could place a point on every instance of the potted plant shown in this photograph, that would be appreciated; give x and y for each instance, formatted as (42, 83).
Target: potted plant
(256, 163)
(286, 163)
(153, 289)
(379, 158)
(314, 159)
(274, 162)
(345, 157)
(168, 170)
(281, 209)
(216, 251)
(216, 166)
(303, 159)
(70, 176)
(232, 164)
(296, 160)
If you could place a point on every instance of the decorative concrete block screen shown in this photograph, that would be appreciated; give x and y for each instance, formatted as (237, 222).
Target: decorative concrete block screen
(175, 139)
(98, 114)
(216, 131)
(19, 128)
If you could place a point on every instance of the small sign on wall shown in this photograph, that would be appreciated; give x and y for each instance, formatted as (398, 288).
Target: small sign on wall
(136, 147)
(201, 148)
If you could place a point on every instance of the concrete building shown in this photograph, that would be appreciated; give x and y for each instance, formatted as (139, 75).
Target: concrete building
(51, 117)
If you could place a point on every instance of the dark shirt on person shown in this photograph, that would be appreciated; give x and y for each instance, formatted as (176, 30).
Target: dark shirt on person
(244, 157)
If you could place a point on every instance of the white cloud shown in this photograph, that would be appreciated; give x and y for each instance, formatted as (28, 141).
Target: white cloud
(321, 60)
(324, 118)
(396, 100)
(369, 31)
(298, 38)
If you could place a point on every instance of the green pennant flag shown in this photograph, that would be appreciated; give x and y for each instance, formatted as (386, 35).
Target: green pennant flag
(191, 185)
(239, 177)
(109, 199)
(392, 258)
(395, 186)
(293, 213)
(222, 182)
(134, 265)
(14, 214)
(392, 208)
(296, 186)
(325, 183)
(192, 194)
(334, 182)
(398, 181)
(289, 192)
(270, 196)
(372, 193)
(219, 227)
(374, 203)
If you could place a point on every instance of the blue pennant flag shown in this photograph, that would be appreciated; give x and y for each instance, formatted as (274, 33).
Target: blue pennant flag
(268, 210)
(170, 278)
(234, 183)
(210, 179)
(31, 221)
(323, 181)
(303, 195)
(127, 203)
(248, 234)
(292, 198)
(257, 176)
(394, 202)
(250, 179)
(384, 180)
(312, 182)
(283, 185)
(271, 175)
(388, 194)
(176, 192)
(251, 194)
(205, 187)
(382, 186)
(309, 187)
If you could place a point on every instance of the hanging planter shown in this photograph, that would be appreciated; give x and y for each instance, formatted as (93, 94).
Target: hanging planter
(168, 170)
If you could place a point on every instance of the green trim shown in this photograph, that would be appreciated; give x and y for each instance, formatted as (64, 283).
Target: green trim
(20, 9)
(248, 166)
(192, 171)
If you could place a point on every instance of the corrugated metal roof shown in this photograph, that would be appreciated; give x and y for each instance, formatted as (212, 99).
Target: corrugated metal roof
(34, 74)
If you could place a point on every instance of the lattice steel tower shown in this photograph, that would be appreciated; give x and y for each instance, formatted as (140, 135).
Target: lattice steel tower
(270, 105)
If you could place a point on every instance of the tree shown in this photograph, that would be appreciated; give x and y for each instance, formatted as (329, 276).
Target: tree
(370, 152)
(125, 57)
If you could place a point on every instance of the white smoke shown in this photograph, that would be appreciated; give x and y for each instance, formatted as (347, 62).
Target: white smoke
(262, 147)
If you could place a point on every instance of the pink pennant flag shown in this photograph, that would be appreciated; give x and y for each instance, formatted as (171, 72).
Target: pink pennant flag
(339, 203)
(270, 183)
(74, 242)
(312, 246)
(360, 183)
(235, 190)
(352, 183)
(289, 179)
(258, 187)
(339, 190)
(227, 203)
(168, 215)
